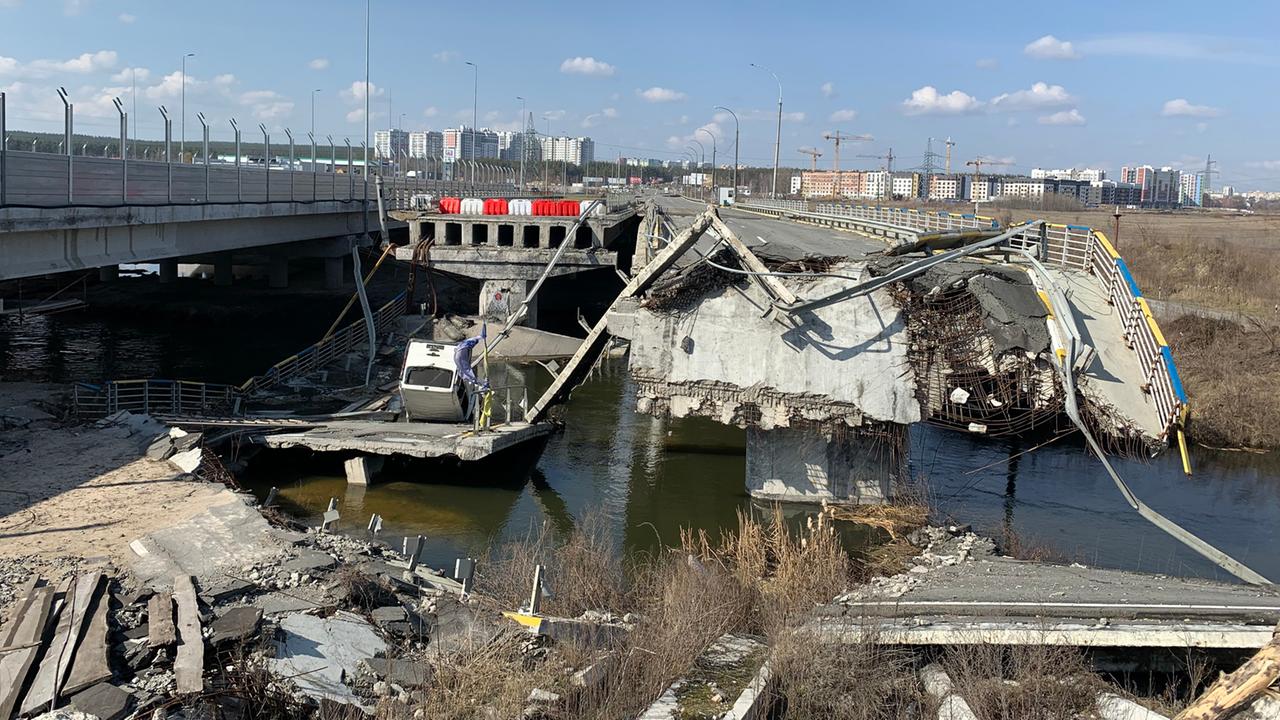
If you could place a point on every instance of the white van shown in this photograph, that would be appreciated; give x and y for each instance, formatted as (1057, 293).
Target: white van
(430, 389)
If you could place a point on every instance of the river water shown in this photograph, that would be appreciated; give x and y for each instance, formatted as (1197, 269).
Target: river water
(647, 478)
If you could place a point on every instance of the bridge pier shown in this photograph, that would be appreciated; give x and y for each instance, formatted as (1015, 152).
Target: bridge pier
(815, 464)
(333, 273)
(500, 298)
(223, 270)
(168, 271)
(278, 272)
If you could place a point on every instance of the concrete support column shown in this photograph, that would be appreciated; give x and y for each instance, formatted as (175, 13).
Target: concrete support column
(278, 272)
(362, 470)
(168, 271)
(500, 298)
(811, 464)
(333, 273)
(108, 273)
(222, 270)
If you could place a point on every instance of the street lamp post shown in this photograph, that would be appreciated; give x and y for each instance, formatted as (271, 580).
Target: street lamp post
(777, 146)
(703, 152)
(524, 139)
(182, 142)
(367, 4)
(713, 155)
(475, 94)
(735, 144)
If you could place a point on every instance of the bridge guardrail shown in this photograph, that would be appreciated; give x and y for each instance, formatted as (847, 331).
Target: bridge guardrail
(154, 396)
(1071, 247)
(318, 354)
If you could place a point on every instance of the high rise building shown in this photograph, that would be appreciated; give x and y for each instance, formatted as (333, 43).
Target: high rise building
(1191, 189)
(458, 144)
(573, 150)
(426, 144)
(1159, 187)
(390, 143)
(1086, 174)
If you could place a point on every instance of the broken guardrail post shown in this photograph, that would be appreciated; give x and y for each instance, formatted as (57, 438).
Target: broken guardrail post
(375, 523)
(535, 597)
(464, 571)
(415, 556)
(331, 515)
(271, 497)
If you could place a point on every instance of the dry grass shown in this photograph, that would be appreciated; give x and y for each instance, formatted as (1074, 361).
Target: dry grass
(859, 681)
(1027, 682)
(1232, 377)
(492, 681)
(893, 519)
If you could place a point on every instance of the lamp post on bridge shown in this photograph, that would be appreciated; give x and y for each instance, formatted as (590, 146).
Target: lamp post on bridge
(713, 155)
(182, 142)
(777, 146)
(204, 151)
(735, 144)
(475, 95)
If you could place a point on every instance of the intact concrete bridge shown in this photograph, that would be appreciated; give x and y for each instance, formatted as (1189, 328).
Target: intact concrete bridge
(826, 382)
(60, 213)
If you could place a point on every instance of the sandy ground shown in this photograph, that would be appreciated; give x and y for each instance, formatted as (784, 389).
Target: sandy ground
(74, 494)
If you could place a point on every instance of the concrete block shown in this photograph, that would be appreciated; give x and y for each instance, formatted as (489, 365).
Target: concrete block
(810, 464)
(187, 461)
(404, 673)
(104, 701)
(500, 298)
(238, 623)
(362, 470)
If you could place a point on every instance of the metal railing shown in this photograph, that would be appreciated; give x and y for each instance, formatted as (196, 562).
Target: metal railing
(154, 397)
(317, 355)
(1077, 248)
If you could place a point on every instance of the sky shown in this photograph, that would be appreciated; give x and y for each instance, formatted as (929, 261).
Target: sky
(1028, 84)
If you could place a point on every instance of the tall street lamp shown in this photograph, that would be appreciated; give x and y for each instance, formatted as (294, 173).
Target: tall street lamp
(735, 144)
(702, 150)
(713, 155)
(182, 142)
(475, 93)
(524, 140)
(367, 10)
(777, 145)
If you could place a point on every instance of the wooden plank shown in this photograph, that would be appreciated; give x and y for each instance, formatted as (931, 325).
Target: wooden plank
(22, 647)
(57, 656)
(1234, 691)
(188, 666)
(160, 631)
(21, 600)
(91, 665)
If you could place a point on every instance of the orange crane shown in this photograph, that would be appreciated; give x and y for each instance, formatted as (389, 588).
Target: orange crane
(949, 146)
(838, 137)
(813, 155)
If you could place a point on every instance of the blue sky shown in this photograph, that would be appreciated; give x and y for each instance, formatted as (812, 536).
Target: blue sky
(1098, 84)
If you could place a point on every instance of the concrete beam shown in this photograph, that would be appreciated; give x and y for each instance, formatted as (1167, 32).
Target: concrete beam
(810, 464)
(38, 242)
(362, 469)
(489, 262)
(500, 298)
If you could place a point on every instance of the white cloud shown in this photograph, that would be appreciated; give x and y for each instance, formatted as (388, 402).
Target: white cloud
(1051, 48)
(684, 119)
(128, 75)
(591, 120)
(987, 64)
(1181, 108)
(554, 114)
(355, 93)
(828, 89)
(126, 18)
(794, 116)
(843, 115)
(356, 116)
(927, 101)
(660, 95)
(266, 105)
(431, 111)
(609, 112)
(318, 63)
(90, 62)
(586, 66)
(1062, 117)
(1039, 96)
(445, 56)
(170, 86)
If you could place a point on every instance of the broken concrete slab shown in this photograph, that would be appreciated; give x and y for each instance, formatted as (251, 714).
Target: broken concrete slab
(187, 441)
(296, 600)
(405, 673)
(220, 540)
(309, 561)
(238, 623)
(187, 461)
(161, 448)
(318, 653)
(104, 701)
(457, 628)
(1114, 707)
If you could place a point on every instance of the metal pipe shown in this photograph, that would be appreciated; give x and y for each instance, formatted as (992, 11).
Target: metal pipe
(4, 150)
(204, 150)
(67, 123)
(312, 137)
(124, 156)
(168, 152)
(291, 159)
(333, 169)
(266, 158)
(182, 143)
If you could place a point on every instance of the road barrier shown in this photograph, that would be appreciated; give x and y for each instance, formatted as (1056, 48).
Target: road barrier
(1076, 248)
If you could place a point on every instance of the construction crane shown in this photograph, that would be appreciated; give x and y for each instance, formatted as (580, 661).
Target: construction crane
(977, 164)
(949, 146)
(888, 158)
(813, 155)
(838, 137)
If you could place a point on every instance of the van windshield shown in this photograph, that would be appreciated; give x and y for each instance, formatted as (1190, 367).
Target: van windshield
(429, 376)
